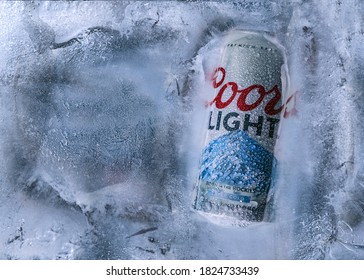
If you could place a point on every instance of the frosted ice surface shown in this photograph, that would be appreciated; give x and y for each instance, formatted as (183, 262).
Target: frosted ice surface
(102, 117)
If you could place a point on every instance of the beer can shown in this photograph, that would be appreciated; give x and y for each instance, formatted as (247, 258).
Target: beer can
(244, 113)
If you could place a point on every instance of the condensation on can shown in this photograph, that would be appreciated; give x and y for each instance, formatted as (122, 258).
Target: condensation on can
(236, 165)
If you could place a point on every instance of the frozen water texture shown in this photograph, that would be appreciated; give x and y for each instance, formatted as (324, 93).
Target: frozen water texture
(102, 120)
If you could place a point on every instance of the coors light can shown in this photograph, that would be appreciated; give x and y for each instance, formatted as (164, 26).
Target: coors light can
(236, 166)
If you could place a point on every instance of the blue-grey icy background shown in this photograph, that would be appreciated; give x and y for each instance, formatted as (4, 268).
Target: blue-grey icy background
(101, 127)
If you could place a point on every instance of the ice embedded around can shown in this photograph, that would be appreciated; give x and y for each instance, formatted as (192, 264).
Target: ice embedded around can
(244, 113)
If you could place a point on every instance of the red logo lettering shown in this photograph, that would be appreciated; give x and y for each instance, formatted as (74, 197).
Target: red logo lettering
(229, 91)
(290, 107)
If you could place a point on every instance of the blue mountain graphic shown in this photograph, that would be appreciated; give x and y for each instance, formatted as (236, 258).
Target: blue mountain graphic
(237, 159)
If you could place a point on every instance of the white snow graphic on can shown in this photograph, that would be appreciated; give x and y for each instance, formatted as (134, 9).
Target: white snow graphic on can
(236, 166)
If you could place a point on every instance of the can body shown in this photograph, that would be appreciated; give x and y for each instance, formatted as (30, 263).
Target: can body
(244, 113)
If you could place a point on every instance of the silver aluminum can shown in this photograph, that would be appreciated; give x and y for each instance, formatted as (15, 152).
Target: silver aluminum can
(245, 109)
